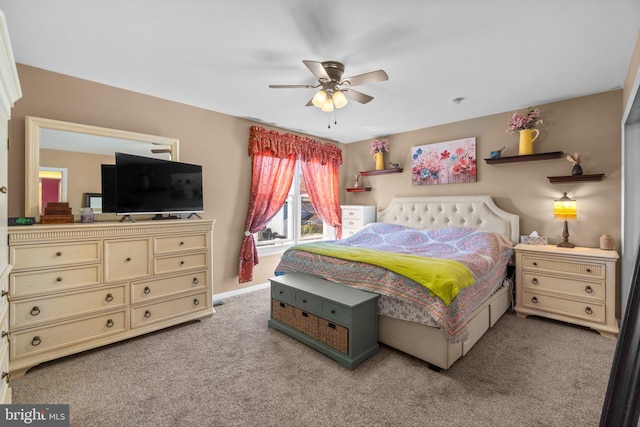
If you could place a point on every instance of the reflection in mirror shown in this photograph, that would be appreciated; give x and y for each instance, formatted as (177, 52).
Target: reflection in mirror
(78, 151)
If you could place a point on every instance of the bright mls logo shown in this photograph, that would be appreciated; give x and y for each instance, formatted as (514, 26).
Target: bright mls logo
(35, 415)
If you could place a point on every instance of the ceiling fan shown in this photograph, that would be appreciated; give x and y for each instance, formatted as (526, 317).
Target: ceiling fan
(335, 90)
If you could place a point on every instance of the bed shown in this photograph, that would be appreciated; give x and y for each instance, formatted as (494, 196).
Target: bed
(437, 328)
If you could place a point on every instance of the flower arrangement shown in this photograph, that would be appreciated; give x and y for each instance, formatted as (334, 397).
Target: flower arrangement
(575, 159)
(379, 145)
(518, 121)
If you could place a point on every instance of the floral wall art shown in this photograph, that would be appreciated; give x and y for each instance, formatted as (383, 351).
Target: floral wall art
(450, 162)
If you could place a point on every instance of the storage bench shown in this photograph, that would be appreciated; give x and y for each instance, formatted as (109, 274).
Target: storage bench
(335, 319)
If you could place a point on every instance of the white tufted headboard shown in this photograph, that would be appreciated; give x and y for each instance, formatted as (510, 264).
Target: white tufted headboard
(479, 212)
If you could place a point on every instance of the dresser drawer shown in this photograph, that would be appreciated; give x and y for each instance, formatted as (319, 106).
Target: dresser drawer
(334, 312)
(25, 313)
(40, 340)
(179, 263)
(4, 287)
(304, 301)
(59, 279)
(588, 269)
(126, 259)
(31, 256)
(282, 293)
(351, 214)
(592, 290)
(164, 245)
(594, 312)
(143, 291)
(152, 313)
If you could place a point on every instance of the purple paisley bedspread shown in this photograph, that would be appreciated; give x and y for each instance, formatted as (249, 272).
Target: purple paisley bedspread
(486, 254)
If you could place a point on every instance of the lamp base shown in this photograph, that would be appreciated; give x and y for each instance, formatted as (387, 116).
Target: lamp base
(565, 244)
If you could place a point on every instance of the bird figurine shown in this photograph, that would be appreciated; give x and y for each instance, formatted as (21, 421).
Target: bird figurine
(393, 165)
(497, 153)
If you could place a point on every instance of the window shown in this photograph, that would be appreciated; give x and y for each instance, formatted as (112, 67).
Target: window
(296, 222)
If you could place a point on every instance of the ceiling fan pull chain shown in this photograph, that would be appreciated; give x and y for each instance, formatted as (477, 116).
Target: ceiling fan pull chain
(329, 121)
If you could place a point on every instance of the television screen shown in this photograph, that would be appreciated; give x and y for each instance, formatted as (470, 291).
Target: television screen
(154, 186)
(108, 173)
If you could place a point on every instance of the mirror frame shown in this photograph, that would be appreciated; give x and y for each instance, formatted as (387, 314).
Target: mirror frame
(32, 151)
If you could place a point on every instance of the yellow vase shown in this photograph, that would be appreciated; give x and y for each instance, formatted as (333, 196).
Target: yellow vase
(526, 141)
(379, 158)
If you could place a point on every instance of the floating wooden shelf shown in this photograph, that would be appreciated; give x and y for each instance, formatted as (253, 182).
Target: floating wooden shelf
(573, 178)
(358, 189)
(526, 158)
(381, 172)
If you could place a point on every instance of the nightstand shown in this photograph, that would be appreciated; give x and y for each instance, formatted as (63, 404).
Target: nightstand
(575, 285)
(354, 217)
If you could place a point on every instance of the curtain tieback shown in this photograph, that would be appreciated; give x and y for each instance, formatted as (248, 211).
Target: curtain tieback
(247, 233)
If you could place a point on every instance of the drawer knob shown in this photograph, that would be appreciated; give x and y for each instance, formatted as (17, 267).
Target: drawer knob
(588, 310)
(3, 189)
(6, 376)
(147, 290)
(588, 289)
(196, 301)
(128, 259)
(534, 280)
(147, 314)
(534, 300)
(588, 270)
(181, 262)
(109, 323)
(304, 301)
(36, 341)
(5, 334)
(58, 253)
(195, 281)
(333, 312)
(181, 243)
(109, 298)
(35, 310)
(535, 264)
(5, 293)
(59, 279)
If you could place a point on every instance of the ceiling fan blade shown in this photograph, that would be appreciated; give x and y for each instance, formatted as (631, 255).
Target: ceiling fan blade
(370, 77)
(292, 86)
(357, 96)
(318, 70)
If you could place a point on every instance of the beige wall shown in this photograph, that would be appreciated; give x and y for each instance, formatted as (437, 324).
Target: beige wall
(590, 125)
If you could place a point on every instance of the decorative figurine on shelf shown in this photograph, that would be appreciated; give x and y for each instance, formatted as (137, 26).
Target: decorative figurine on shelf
(394, 165)
(497, 153)
(357, 180)
(575, 161)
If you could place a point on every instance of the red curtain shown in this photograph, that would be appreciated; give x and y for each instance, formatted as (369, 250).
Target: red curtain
(274, 158)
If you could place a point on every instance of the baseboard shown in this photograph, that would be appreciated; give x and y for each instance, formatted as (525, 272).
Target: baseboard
(219, 298)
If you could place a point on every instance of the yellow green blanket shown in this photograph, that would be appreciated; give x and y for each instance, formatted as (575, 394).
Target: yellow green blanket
(443, 277)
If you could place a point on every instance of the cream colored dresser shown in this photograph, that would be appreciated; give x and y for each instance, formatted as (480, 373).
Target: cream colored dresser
(74, 287)
(354, 217)
(9, 93)
(575, 285)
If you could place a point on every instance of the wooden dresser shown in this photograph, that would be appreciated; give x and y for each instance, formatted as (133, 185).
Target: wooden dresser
(77, 286)
(575, 285)
(354, 217)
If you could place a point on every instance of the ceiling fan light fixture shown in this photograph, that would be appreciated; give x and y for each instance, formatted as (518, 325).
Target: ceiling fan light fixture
(339, 100)
(319, 98)
(327, 107)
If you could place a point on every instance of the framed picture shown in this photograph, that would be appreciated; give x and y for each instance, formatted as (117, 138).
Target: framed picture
(449, 162)
(93, 201)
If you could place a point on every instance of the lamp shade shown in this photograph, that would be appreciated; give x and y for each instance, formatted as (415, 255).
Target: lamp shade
(565, 209)
(327, 107)
(319, 98)
(339, 100)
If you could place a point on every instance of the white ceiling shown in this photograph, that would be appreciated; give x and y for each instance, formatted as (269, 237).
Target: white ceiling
(499, 55)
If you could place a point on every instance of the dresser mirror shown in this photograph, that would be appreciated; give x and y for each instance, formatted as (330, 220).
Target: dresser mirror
(63, 161)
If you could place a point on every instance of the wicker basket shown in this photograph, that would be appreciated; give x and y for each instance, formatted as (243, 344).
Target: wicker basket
(282, 312)
(306, 322)
(333, 335)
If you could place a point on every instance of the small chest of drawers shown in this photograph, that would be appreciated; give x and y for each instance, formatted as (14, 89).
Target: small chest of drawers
(337, 320)
(575, 285)
(354, 217)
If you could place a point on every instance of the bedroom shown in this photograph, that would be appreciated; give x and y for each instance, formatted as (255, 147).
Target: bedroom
(587, 124)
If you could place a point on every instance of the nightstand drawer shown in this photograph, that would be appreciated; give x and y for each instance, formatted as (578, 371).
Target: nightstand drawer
(353, 223)
(346, 232)
(593, 312)
(552, 264)
(351, 214)
(592, 290)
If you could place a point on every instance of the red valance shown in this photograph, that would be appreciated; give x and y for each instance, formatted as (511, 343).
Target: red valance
(286, 144)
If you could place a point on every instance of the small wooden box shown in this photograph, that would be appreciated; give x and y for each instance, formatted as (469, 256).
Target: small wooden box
(56, 219)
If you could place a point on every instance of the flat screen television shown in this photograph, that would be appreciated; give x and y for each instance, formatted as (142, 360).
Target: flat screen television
(145, 185)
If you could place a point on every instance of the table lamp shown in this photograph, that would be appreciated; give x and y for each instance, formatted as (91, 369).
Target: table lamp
(564, 209)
